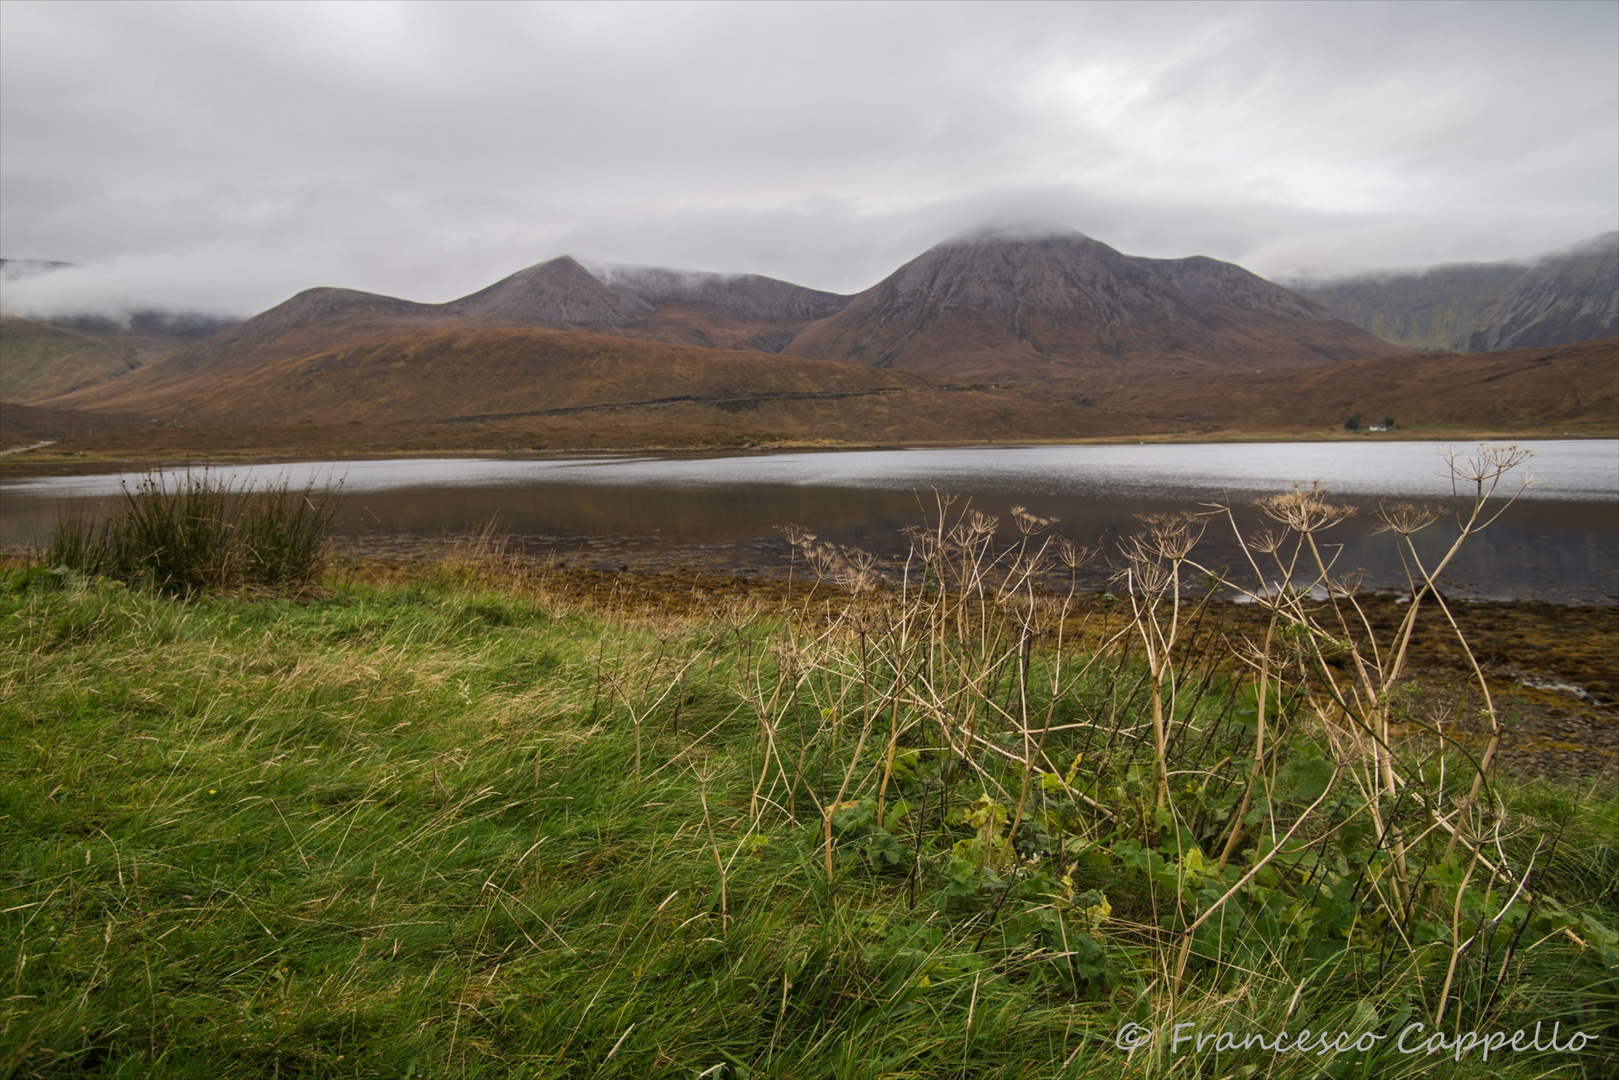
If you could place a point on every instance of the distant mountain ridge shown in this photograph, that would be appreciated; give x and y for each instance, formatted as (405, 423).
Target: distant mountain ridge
(1026, 307)
(1565, 297)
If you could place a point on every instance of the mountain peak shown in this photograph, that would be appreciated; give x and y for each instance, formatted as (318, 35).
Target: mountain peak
(1025, 300)
(557, 292)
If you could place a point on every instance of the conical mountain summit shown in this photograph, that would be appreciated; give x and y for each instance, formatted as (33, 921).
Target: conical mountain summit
(1015, 304)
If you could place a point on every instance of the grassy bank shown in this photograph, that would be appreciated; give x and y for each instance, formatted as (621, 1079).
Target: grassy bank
(461, 825)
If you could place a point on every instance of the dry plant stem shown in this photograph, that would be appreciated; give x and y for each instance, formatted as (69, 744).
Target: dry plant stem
(1259, 749)
(638, 717)
(1486, 472)
(1456, 945)
(1152, 639)
(888, 759)
(1023, 727)
(832, 807)
(702, 791)
(1260, 864)
(1489, 711)
(1372, 714)
(902, 656)
(767, 715)
(1051, 711)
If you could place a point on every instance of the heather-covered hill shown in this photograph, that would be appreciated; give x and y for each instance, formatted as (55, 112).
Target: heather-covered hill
(728, 311)
(1058, 313)
(314, 319)
(467, 375)
(532, 388)
(1553, 390)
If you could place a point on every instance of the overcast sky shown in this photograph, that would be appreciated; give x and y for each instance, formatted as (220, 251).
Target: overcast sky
(220, 157)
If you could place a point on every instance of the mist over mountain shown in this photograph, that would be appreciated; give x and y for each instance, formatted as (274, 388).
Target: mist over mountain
(22, 269)
(1565, 297)
(742, 296)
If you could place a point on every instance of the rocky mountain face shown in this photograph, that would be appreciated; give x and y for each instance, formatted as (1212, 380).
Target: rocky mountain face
(1482, 307)
(1569, 297)
(1434, 310)
(1033, 307)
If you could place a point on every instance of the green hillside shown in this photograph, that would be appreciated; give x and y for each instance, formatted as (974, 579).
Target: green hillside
(1436, 310)
(1565, 297)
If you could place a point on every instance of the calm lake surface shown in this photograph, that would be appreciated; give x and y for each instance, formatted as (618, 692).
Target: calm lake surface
(1559, 542)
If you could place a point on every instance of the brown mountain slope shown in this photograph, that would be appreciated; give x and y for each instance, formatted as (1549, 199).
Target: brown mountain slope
(507, 387)
(461, 375)
(1571, 389)
(1061, 305)
(739, 296)
(514, 389)
(314, 319)
(25, 425)
(38, 360)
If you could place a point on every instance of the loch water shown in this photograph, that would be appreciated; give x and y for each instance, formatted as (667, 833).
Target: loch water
(1559, 541)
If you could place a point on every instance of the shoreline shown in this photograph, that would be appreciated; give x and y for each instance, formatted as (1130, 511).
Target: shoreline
(23, 461)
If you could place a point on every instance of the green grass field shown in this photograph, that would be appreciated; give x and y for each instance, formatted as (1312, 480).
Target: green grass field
(452, 827)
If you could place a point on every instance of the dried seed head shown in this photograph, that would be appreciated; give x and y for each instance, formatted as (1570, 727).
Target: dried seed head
(1173, 536)
(1266, 542)
(1487, 464)
(1405, 518)
(1304, 511)
(1073, 555)
(1029, 524)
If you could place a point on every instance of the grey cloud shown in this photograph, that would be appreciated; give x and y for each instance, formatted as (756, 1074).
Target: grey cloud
(223, 156)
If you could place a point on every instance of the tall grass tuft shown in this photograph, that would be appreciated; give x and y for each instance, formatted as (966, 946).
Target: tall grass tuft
(200, 534)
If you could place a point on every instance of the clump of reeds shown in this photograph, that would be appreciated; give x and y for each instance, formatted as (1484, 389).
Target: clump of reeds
(200, 533)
